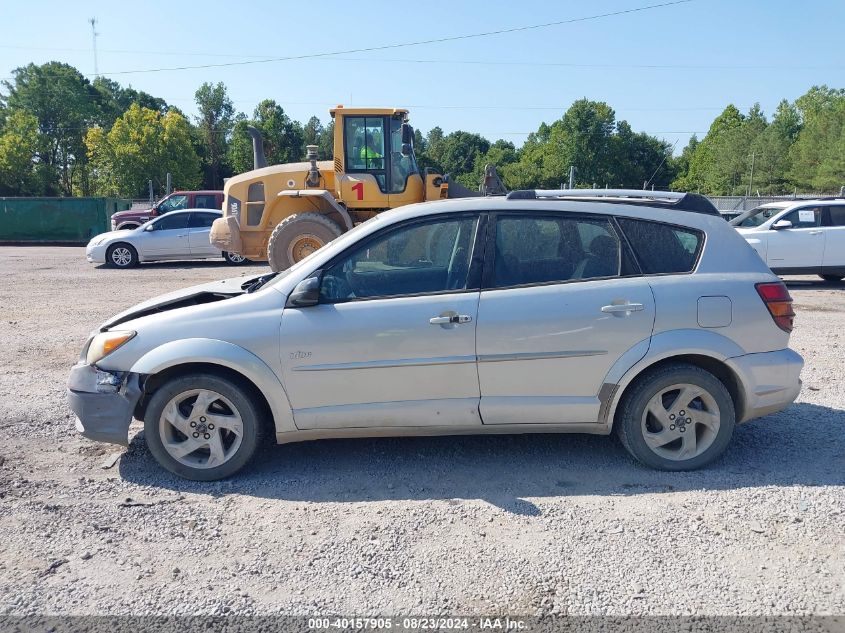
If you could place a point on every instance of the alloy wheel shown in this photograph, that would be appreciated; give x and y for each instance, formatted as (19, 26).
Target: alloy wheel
(681, 421)
(200, 428)
(121, 256)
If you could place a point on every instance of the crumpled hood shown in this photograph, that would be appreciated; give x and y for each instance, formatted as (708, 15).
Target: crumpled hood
(192, 295)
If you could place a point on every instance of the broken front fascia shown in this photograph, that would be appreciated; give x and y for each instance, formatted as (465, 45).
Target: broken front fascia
(104, 402)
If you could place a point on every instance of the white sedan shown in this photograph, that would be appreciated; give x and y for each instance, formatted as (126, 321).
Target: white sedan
(176, 235)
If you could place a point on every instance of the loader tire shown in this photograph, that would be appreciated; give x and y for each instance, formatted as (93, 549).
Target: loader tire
(297, 236)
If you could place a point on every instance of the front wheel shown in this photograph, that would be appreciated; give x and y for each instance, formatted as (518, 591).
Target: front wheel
(297, 236)
(202, 427)
(122, 256)
(676, 417)
(234, 259)
(833, 278)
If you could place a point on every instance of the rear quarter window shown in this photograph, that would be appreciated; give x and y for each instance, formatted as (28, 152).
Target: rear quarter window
(662, 248)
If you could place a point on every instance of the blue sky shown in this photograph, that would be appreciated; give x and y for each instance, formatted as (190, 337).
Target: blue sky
(667, 71)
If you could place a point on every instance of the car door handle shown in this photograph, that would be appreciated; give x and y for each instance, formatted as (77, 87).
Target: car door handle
(446, 320)
(815, 232)
(622, 308)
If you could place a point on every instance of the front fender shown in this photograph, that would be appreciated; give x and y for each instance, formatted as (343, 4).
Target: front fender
(216, 352)
(662, 346)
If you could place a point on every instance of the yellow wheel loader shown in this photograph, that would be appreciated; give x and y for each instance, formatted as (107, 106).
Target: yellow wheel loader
(283, 213)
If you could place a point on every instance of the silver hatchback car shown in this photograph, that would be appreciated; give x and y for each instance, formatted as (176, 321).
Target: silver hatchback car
(543, 312)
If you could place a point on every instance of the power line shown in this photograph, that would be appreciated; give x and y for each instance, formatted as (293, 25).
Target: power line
(438, 40)
(472, 62)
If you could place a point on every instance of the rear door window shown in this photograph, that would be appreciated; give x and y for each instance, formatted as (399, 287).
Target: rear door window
(205, 201)
(202, 220)
(536, 249)
(837, 215)
(662, 248)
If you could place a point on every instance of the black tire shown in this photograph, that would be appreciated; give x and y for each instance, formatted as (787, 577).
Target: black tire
(122, 255)
(242, 401)
(309, 227)
(233, 259)
(630, 419)
(832, 278)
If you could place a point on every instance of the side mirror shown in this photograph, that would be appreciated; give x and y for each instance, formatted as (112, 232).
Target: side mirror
(406, 149)
(306, 293)
(782, 224)
(407, 134)
(150, 227)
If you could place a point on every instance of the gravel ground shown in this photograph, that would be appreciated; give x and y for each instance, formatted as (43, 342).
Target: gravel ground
(515, 524)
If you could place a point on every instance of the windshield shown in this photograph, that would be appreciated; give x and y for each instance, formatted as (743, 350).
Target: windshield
(756, 217)
(173, 203)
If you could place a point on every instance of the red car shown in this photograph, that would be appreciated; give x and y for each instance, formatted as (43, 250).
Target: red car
(177, 200)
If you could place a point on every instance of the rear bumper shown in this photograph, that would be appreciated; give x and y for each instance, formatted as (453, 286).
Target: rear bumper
(103, 402)
(771, 381)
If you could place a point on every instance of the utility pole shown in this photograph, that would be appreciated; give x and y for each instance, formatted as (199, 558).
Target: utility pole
(169, 184)
(572, 177)
(94, 35)
(751, 180)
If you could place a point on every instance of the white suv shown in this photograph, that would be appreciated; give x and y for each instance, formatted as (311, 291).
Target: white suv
(546, 312)
(798, 237)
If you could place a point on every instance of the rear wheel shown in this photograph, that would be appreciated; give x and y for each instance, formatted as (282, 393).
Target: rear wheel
(202, 427)
(297, 236)
(234, 259)
(833, 278)
(676, 417)
(122, 255)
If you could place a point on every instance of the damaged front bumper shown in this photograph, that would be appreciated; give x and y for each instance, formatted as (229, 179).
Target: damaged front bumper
(103, 402)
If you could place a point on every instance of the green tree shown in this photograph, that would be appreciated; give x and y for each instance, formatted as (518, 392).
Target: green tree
(18, 149)
(501, 154)
(143, 145)
(714, 164)
(817, 154)
(771, 151)
(457, 152)
(114, 100)
(65, 104)
(284, 138)
(215, 121)
(639, 160)
(311, 131)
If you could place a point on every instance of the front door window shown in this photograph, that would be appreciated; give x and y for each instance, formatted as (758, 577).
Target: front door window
(428, 257)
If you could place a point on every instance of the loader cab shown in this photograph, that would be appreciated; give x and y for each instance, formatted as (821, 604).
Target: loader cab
(379, 170)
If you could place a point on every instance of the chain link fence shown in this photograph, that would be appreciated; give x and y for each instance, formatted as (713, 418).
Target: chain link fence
(738, 204)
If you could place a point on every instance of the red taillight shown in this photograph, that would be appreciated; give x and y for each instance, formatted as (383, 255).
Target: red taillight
(776, 297)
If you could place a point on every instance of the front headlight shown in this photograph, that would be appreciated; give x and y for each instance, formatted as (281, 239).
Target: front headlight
(96, 241)
(105, 343)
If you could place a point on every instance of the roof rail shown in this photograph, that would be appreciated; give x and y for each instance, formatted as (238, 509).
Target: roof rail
(673, 199)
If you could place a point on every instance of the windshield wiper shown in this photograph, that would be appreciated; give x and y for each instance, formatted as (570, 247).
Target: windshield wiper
(255, 284)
